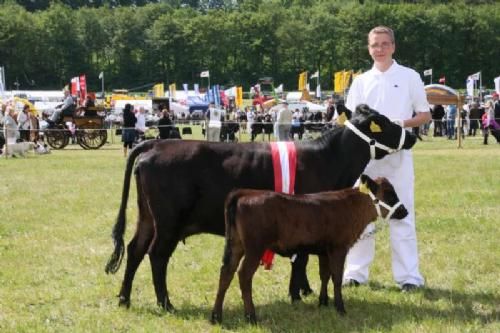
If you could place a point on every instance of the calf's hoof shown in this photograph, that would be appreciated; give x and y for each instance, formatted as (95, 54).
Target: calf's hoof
(216, 318)
(123, 301)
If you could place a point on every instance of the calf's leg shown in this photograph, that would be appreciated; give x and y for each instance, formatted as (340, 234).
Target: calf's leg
(336, 258)
(245, 274)
(226, 276)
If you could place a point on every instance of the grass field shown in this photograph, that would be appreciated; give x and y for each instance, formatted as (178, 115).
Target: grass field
(57, 211)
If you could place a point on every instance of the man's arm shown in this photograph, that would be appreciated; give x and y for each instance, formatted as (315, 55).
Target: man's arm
(420, 118)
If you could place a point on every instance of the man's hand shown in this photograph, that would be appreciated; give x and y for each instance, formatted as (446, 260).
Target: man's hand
(400, 122)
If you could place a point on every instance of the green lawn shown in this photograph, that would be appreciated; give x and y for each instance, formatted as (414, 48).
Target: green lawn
(57, 211)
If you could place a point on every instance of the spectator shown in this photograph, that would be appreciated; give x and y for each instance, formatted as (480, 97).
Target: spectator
(140, 125)
(215, 117)
(437, 117)
(23, 123)
(283, 123)
(474, 117)
(165, 125)
(10, 126)
(451, 114)
(128, 130)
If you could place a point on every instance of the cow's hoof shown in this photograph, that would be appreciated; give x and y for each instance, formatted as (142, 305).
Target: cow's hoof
(167, 306)
(251, 318)
(125, 302)
(216, 318)
(307, 291)
(340, 310)
(323, 301)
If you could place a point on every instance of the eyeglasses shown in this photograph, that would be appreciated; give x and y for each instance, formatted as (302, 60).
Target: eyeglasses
(384, 45)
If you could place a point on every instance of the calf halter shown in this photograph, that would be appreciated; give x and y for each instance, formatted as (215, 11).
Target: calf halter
(374, 143)
(378, 203)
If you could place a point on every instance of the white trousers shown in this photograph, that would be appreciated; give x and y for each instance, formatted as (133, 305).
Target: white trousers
(398, 169)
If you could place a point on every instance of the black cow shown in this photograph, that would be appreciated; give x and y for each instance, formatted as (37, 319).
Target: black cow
(182, 186)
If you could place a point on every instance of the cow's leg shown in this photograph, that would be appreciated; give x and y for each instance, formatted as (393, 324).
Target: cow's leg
(226, 276)
(324, 274)
(138, 246)
(336, 258)
(159, 257)
(136, 250)
(245, 274)
(298, 278)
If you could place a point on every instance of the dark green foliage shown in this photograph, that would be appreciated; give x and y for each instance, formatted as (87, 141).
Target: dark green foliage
(140, 42)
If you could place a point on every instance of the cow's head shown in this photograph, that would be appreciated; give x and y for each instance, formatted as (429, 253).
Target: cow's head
(383, 136)
(384, 197)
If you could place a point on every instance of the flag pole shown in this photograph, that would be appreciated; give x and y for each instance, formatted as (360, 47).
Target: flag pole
(102, 84)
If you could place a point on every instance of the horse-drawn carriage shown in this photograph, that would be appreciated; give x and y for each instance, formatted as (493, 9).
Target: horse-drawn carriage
(88, 131)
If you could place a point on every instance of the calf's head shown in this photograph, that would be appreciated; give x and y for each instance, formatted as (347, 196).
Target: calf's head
(384, 195)
(383, 136)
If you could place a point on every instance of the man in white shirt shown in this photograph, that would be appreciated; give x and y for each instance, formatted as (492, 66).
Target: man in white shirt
(214, 123)
(283, 123)
(396, 92)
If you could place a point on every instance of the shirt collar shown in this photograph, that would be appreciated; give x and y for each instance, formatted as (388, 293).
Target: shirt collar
(391, 69)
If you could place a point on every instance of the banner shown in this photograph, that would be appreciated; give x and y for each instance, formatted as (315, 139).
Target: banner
(475, 76)
(159, 90)
(83, 88)
(342, 80)
(356, 74)
(279, 89)
(315, 75)
(239, 97)
(442, 80)
(75, 86)
(497, 84)
(428, 72)
(171, 90)
(302, 81)
(197, 89)
(101, 75)
(205, 74)
(318, 91)
(470, 87)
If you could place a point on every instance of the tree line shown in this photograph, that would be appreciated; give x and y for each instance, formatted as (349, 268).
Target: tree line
(139, 43)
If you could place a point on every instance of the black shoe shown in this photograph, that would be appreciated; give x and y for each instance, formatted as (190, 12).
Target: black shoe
(409, 287)
(351, 283)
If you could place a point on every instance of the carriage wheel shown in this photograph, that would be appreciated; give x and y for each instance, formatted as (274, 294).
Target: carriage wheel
(91, 137)
(57, 139)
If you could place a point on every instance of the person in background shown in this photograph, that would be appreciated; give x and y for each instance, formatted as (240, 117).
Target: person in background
(23, 123)
(67, 107)
(283, 123)
(396, 92)
(214, 117)
(474, 117)
(165, 125)
(451, 114)
(10, 125)
(437, 117)
(128, 130)
(140, 125)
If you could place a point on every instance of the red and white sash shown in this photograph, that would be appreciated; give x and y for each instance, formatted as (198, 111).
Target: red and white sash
(284, 158)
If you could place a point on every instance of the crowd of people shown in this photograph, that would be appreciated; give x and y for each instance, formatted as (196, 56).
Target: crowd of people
(474, 116)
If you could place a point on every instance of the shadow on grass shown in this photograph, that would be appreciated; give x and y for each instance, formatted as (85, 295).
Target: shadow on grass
(362, 312)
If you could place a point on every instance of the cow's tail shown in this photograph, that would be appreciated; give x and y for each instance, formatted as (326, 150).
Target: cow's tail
(115, 260)
(230, 213)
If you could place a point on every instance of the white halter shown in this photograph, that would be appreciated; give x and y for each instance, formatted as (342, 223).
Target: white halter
(375, 144)
(378, 203)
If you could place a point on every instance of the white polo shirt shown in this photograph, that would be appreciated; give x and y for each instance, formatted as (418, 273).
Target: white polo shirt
(395, 93)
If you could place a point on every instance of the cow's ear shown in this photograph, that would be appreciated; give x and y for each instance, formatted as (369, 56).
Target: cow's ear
(363, 184)
(375, 128)
(341, 119)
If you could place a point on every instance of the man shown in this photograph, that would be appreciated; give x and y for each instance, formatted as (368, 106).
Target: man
(283, 123)
(66, 107)
(396, 92)
(214, 116)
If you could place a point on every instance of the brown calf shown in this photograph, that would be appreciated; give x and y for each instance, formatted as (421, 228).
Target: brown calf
(326, 223)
